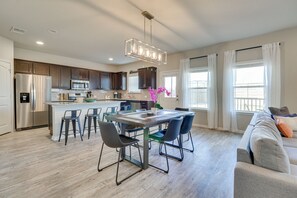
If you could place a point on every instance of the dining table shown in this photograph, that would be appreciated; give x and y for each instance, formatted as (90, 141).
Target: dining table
(146, 119)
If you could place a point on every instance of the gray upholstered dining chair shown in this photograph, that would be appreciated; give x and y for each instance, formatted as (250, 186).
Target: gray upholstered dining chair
(166, 135)
(112, 139)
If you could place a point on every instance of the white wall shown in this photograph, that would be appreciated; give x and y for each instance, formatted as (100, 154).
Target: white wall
(6, 54)
(288, 40)
(60, 60)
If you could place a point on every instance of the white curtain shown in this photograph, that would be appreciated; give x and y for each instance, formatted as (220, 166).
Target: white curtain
(271, 59)
(229, 114)
(184, 71)
(212, 103)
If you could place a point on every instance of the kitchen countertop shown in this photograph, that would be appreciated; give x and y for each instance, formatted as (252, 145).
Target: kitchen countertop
(101, 102)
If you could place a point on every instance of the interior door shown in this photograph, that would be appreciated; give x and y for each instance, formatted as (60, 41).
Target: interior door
(169, 81)
(5, 98)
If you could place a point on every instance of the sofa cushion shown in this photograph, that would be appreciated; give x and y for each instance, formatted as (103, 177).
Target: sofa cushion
(290, 142)
(284, 128)
(264, 121)
(279, 111)
(293, 168)
(267, 150)
(292, 154)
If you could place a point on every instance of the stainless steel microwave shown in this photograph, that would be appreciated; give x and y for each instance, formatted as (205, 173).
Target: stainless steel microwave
(80, 84)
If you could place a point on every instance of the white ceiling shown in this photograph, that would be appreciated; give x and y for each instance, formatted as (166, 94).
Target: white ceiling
(95, 30)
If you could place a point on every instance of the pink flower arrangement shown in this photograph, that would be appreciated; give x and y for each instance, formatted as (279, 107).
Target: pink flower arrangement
(154, 93)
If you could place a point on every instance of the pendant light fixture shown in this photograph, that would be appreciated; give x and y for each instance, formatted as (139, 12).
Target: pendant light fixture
(145, 51)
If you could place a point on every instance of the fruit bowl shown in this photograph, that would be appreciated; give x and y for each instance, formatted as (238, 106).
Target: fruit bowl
(90, 99)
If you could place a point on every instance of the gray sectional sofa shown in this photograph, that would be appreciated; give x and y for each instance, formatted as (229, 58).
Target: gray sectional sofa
(266, 162)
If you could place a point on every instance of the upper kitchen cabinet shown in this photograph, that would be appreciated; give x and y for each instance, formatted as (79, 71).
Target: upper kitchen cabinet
(106, 80)
(60, 76)
(94, 78)
(41, 69)
(29, 67)
(147, 77)
(22, 66)
(119, 81)
(55, 73)
(65, 77)
(79, 74)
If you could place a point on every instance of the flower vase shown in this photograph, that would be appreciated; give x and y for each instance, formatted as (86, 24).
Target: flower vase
(154, 110)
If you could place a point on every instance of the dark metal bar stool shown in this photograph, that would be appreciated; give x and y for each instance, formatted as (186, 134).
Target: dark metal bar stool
(108, 111)
(92, 113)
(73, 116)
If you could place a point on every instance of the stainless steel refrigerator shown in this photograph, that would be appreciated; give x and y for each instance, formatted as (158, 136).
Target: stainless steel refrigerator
(31, 94)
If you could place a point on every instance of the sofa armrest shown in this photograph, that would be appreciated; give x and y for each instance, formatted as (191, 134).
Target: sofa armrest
(254, 181)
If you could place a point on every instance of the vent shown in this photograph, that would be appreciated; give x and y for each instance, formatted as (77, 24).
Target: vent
(17, 30)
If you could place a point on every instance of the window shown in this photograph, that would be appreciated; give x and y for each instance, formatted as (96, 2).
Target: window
(170, 85)
(248, 87)
(133, 84)
(198, 89)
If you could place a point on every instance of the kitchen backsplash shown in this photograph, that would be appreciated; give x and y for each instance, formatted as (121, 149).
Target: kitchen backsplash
(57, 94)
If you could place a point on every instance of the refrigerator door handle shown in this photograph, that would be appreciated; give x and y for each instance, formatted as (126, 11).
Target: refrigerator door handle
(33, 93)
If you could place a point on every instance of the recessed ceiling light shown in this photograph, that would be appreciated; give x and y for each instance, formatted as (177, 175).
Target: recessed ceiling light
(110, 59)
(39, 43)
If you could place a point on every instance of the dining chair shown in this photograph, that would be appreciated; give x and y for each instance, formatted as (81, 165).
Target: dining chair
(166, 135)
(109, 110)
(112, 139)
(184, 129)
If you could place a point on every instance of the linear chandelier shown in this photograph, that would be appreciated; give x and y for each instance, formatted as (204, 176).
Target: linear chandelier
(143, 51)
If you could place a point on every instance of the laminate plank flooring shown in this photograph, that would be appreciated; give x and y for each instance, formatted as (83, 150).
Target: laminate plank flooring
(31, 165)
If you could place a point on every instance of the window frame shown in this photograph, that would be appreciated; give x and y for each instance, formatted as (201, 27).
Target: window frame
(170, 96)
(196, 70)
(133, 92)
(248, 64)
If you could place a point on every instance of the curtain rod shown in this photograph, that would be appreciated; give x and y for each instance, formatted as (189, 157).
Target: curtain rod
(248, 48)
(200, 57)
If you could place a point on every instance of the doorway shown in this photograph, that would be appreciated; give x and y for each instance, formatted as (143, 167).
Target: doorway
(5, 98)
(169, 80)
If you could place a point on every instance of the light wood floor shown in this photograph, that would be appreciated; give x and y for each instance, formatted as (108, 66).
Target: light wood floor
(31, 165)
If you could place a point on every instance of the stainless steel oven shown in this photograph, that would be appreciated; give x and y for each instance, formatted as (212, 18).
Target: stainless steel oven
(80, 84)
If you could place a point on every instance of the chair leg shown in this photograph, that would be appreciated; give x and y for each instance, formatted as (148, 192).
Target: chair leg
(118, 165)
(191, 141)
(100, 158)
(66, 131)
(74, 127)
(84, 126)
(139, 155)
(95, 123)
(79, 129)
(61, 130)
(166, 155)
(89, 126)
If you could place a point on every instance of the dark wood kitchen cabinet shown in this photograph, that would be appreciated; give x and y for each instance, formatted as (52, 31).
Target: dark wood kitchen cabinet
(94, 78)
(55, 73)
(65, 77)
(119, 81)
(106, 80)
(147, 77)
(41, 69)
(23, 66)
(61, 76)
(79, 74)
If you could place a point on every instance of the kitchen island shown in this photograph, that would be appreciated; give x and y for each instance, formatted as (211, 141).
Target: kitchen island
(57, 109)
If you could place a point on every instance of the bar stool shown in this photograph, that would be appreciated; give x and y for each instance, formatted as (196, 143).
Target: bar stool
(92, 113)
(109, 111)
(73, 116)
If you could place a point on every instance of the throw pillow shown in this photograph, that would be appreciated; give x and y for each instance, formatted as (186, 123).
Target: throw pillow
(284, 128)
(283, 111)
(291, 121)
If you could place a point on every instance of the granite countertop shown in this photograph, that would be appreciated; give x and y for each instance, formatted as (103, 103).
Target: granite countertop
(126, 99)
(54, 103)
